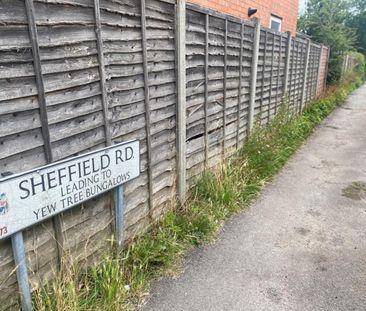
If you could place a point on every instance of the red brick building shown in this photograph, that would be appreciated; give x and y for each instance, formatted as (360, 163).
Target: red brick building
(276, 14)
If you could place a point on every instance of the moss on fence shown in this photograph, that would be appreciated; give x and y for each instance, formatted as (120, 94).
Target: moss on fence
(121, 280)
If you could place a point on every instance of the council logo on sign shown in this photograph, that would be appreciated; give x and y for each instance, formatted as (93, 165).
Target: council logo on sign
(4, 205)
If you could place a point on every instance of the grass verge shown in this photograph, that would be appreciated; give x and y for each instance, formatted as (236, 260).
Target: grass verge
(121, 280)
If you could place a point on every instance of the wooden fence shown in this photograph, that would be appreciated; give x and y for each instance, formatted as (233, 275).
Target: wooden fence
(350, 62)
(76, 75)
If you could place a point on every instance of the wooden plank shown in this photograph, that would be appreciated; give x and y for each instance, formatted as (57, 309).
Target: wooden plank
(296, 77)
(78, 92)
(23, 161)
(54, 14)
(43, 111)
(319, 70)
(147, 103)
(39, 79)
(69, 64)
(307, 53)
(63, 81)
(11, 70)
(19, 105)
(287, 64)
(14, 37)
(210, 12)
(240, 83)
(102, 73)
(278, 75)
(121, 6)
(76, 3)
(25, 141)
(55, 36)
(76, 126)
(19, 122)
(74, 109)
(263, 71)
(225, 93)
(271, 80)
(78, 143)
(207, 25)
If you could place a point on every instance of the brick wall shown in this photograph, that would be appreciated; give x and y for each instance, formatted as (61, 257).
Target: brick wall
(286, 9)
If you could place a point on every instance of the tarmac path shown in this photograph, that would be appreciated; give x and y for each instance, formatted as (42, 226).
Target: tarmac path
(301, 245)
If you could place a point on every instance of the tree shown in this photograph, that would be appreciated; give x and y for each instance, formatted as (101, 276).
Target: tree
(325, 21)
(358, 22)
(359, 5)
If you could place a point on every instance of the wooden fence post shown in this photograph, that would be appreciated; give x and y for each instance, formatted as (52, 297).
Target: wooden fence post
(291, 83)
(326, 67)
(207, 26)
(271, 79)
(278, 76)
(263, 73)
(345, 65)
(56, 221)
(287, 64)
(181, 102)
(240, 83)
(147, 107)
(303, 96)
(225, 92)
(102, 72)
(253, 80)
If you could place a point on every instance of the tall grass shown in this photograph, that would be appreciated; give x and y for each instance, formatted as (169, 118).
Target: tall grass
(121, 280)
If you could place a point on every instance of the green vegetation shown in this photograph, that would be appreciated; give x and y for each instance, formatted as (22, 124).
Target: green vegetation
(360, 60)
(325, 22)
(339, 24)
(358, 23)
(121, 280)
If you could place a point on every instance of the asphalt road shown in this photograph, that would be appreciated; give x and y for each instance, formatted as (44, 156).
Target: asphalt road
(301, 245)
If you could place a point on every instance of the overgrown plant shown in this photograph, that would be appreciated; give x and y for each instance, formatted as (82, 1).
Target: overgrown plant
(121, 280)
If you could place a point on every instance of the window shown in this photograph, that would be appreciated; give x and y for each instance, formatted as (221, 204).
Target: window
(275, 23)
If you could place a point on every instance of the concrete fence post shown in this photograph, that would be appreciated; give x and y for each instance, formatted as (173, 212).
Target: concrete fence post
(347, 62)
(345, 65)
(253, 80)
(317, 93)
(326, 67)
(181, 101)
(287, 64)
(303, 96)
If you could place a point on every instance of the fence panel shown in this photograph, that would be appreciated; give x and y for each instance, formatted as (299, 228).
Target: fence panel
(271, 74)
(313, 71)
(78, 75)
(297, 71)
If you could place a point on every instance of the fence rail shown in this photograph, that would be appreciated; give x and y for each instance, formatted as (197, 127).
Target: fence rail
(76, 75)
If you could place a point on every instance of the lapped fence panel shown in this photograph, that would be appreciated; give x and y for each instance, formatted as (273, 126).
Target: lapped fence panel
(109, 71)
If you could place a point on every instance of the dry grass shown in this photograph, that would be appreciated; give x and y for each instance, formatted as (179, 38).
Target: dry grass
(121, 280)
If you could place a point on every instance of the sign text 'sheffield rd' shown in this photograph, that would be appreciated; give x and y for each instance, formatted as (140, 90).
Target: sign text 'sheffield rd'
(31, 197)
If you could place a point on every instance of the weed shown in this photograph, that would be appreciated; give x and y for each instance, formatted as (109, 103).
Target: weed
(120, 280)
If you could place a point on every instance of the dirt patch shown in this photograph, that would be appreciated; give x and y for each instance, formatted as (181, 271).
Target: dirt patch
(355, 191)
(302, 231)
(274, 294)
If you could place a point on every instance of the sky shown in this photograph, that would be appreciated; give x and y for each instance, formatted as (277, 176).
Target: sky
(302, 6)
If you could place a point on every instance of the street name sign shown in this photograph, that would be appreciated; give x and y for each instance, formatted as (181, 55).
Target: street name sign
(31, 197)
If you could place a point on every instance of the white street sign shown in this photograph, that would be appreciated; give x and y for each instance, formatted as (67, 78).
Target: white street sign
(33, 196)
